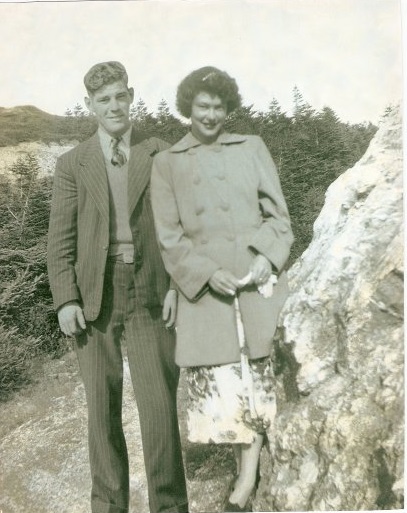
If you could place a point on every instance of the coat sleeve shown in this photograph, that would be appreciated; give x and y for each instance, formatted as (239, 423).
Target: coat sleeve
(274, 237)
(62, 237)
(190, 270)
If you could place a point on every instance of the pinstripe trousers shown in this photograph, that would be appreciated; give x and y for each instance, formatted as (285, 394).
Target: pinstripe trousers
(150, 349)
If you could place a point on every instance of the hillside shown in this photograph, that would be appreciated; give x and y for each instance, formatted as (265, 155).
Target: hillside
(28, 123)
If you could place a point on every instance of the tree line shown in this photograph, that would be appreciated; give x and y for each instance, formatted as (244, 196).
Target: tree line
(310, 148)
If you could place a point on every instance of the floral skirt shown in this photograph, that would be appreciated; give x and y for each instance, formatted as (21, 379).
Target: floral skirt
(230, 403)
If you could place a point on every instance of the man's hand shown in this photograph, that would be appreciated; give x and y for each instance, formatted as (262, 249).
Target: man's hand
(261, 269)
(71, 319)
(224, 282)
(170, 308)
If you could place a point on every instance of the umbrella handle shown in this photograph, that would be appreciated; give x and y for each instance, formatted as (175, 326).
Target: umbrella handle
(247, 377)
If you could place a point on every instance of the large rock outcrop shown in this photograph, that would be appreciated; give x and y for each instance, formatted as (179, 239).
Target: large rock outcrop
(339, 436)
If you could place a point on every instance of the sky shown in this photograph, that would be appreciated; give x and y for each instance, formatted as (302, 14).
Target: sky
(345, 54)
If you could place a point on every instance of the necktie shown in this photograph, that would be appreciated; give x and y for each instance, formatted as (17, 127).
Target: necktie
(118, 156)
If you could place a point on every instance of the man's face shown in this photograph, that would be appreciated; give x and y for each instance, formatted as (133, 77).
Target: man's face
(111, 106)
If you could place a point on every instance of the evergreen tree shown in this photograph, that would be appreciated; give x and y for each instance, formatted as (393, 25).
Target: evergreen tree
(243, 120)
(139, 111)
(275, 127)
(168, 127)
(302, 109)
(143, 121)
(78, 111)
(163, 113)
(28, 203)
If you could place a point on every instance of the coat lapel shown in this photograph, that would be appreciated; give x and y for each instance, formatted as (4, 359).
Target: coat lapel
(94, 175)
(139, 170)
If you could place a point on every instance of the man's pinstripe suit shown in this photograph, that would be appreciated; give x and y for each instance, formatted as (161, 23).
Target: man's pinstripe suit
(116, 296)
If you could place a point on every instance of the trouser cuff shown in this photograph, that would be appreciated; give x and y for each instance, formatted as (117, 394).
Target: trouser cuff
(104, 507)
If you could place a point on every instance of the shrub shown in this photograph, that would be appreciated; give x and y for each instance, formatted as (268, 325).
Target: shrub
(16, 356)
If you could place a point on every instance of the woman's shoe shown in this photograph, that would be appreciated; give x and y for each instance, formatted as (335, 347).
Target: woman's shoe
(235, 507)
(230, 489)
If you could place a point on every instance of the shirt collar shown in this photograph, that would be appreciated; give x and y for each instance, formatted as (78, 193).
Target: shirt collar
(106, 142)
(190, 141)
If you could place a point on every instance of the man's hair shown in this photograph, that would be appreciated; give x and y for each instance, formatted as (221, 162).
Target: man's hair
(104, 73)
(210, 80)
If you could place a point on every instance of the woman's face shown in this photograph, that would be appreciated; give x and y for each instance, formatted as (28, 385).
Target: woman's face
(208, 115)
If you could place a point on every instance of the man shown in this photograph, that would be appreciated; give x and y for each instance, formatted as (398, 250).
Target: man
(107, 278)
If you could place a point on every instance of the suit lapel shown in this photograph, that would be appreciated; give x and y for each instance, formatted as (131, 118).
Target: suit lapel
(94, 175)
(139, 171)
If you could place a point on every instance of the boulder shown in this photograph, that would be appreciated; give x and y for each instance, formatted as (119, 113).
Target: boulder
(339, 434)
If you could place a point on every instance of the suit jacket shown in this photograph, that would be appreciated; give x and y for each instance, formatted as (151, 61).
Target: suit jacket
(215, 207)
(78, 240)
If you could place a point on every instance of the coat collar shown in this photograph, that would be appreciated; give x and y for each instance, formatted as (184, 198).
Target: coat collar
(189, 141)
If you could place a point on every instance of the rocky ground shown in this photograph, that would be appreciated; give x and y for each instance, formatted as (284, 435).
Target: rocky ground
(43, 450)
(46, 154)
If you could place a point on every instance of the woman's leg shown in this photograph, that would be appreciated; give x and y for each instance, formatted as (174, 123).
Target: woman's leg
(248, 470)
(237, 451)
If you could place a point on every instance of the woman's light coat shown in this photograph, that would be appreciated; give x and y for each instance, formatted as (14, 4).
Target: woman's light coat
(217, 206)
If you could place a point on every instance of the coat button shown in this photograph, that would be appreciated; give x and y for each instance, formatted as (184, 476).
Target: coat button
(191, 151)
(204, 240)
(225, 207)
(221, 177)
(197, 179)
(230, 237)
(105, 248)
(199, 210)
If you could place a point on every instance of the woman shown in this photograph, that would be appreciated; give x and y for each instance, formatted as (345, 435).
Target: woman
(224, 232)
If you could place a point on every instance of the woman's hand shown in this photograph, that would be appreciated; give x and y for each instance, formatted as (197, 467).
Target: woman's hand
(261, 269)
(224, 282)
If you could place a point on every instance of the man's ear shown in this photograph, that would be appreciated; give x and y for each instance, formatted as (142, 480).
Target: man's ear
(131, 93)
(88, 104)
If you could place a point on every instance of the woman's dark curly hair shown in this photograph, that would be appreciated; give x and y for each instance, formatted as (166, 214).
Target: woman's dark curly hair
(207, 80)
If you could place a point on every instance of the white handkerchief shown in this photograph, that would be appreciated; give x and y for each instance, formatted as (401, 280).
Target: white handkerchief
(266, 289)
